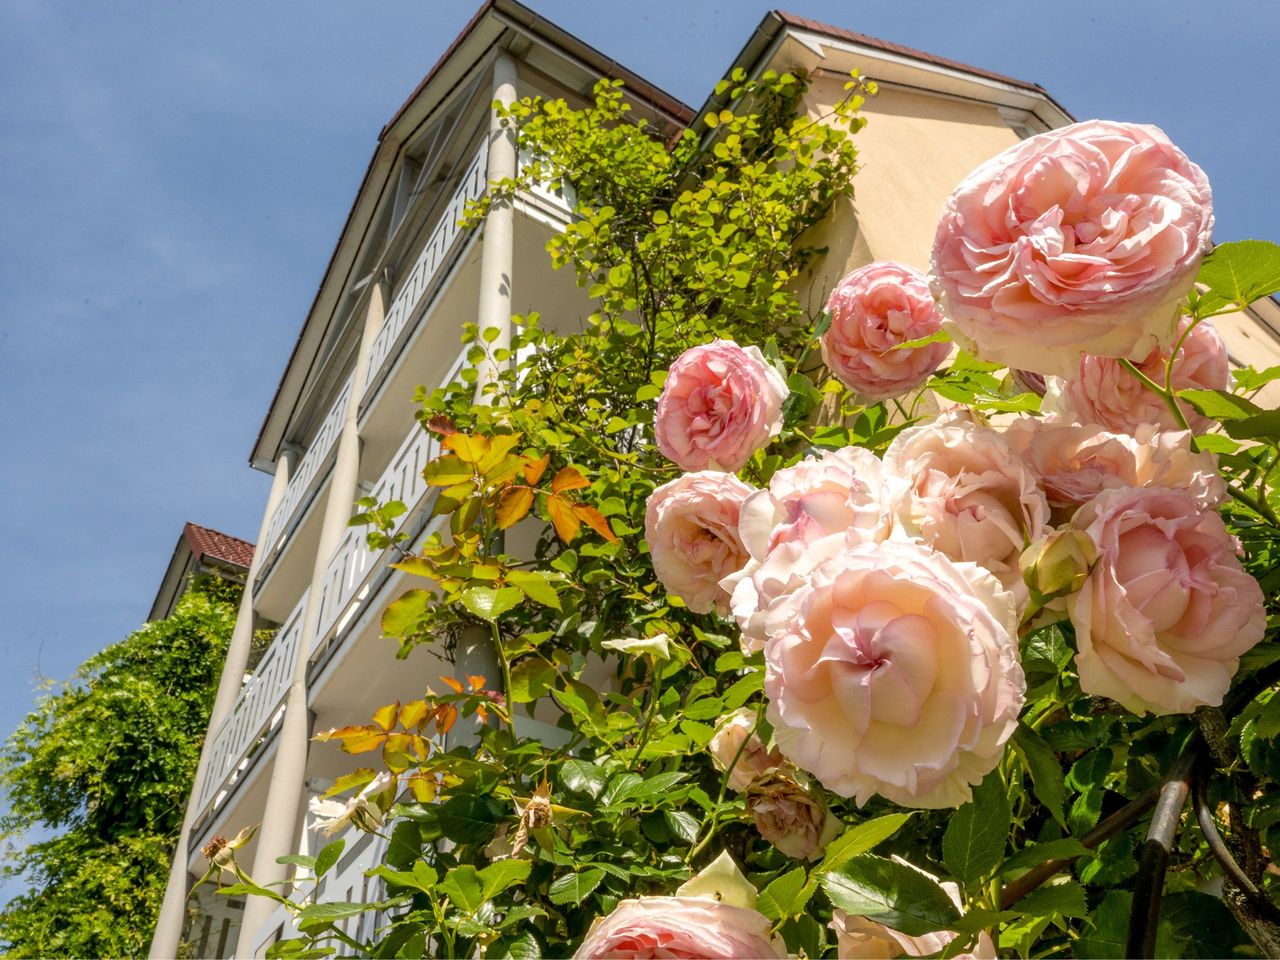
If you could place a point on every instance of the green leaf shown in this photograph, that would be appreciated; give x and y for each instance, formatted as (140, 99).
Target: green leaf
(523, 946)
(531, 679)
(861, 838)
(579, 776)
(683, 825)
(299, 860)
(938, 336)
(535, 586)
(892, 893)
(466, 818)
(804, 933)
(974, 842)
(1242, 271)
(320, 914)
(1220, 404)
(463, 887)
(1263, 426)
(785, 896)
(489, 603)
(1039, 760)
(621, 786)
(1064, 899)
(575, 887)
(404, 613)
(327, 857)
(1039, 853)
(1199, 926)
(497, 877)
(657, 785)
(1107, 929)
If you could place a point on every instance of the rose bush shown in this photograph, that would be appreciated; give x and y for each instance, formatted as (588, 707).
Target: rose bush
(899, 667)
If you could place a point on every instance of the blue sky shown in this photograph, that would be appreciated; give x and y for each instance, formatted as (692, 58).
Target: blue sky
(173, 176)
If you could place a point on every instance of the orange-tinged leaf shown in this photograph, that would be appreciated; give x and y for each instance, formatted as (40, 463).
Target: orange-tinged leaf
(413, 713)
(476, 681)
(563, 518)
(534, 469)
(356, 739)
(442, 425)
(594, 519)
(446, 716)
(468, 448)
(505, 470)
(385, 717)
(453, 684)
(568, 479)
(513, 506)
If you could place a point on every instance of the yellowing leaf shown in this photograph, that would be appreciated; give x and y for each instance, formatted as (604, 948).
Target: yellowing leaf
(348, 781)
(499, 446)
(385, 717)
(513, 506)
(563, 518)
(359, 739)
(418, 566)
(404, 614)
(535, 586)
(468, 448)
(413, 713)
(422, 786)
(568, 479)
(446, 471)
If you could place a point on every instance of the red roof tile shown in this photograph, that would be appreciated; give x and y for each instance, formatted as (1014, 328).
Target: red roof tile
(218, 546)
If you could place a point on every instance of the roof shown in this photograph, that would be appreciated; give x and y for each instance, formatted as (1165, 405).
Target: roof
(839, 33)
(215, 545)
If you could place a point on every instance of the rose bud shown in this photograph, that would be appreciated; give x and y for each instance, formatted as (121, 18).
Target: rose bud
(1058, 564)
(791, 814)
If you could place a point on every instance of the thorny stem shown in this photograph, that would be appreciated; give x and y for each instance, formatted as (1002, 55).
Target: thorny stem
(506, 677)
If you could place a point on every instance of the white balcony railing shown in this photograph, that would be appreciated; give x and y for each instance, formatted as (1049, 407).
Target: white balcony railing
(254, 712)
(430, 267)
(352, 561)
(307, 472)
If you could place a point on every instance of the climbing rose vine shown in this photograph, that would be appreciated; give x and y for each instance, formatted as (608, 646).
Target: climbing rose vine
(764, 633)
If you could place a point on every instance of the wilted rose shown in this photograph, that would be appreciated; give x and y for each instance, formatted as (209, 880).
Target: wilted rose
(791, 814)
(721, 403)
(1168, 610)
(364, 811)
(736, 732)
(691, 525)
(1081, 240)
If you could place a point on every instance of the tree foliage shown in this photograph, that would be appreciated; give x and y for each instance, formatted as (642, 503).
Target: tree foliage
(97, 779)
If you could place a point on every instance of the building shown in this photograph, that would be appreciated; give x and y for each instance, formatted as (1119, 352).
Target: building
(200, 551)
(402, 279)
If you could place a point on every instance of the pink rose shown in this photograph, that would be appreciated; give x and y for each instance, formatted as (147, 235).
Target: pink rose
(1168, 609)
(1102, 391)
(791, 815)
(721, 403)
(731, 731)
(859, 937)
(676, 928)
(691, 525)
(1075, 463)
(897, 675)
(873, 310)
(963, 491)
(839, 493)
(1080, 240)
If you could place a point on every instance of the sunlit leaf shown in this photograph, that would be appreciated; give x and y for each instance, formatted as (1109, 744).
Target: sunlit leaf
(468, 448)
(513, 506)
(563, 518)
(595, 520)
(568, 478)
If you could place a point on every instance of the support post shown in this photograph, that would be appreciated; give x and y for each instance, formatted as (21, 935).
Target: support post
(497, 252)
(168, 932)
(280, 817)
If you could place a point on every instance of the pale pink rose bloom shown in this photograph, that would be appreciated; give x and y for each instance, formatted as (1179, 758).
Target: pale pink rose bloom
(721, 403)
(791, 815)
(1076, 462)
(678, 928)
(897, 674)
(806, 514)
(960, 488)
(1081, 240)
(873, 310)
(1168, 610)
(859, 937)
(691, 525)
(1102, 391)
(731, 730)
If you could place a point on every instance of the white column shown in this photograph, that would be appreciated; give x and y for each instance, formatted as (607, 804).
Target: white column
(168, 932)
(496, 255)
(279, 830)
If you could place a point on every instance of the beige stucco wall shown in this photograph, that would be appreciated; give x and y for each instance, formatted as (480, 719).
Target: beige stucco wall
(913, 151)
